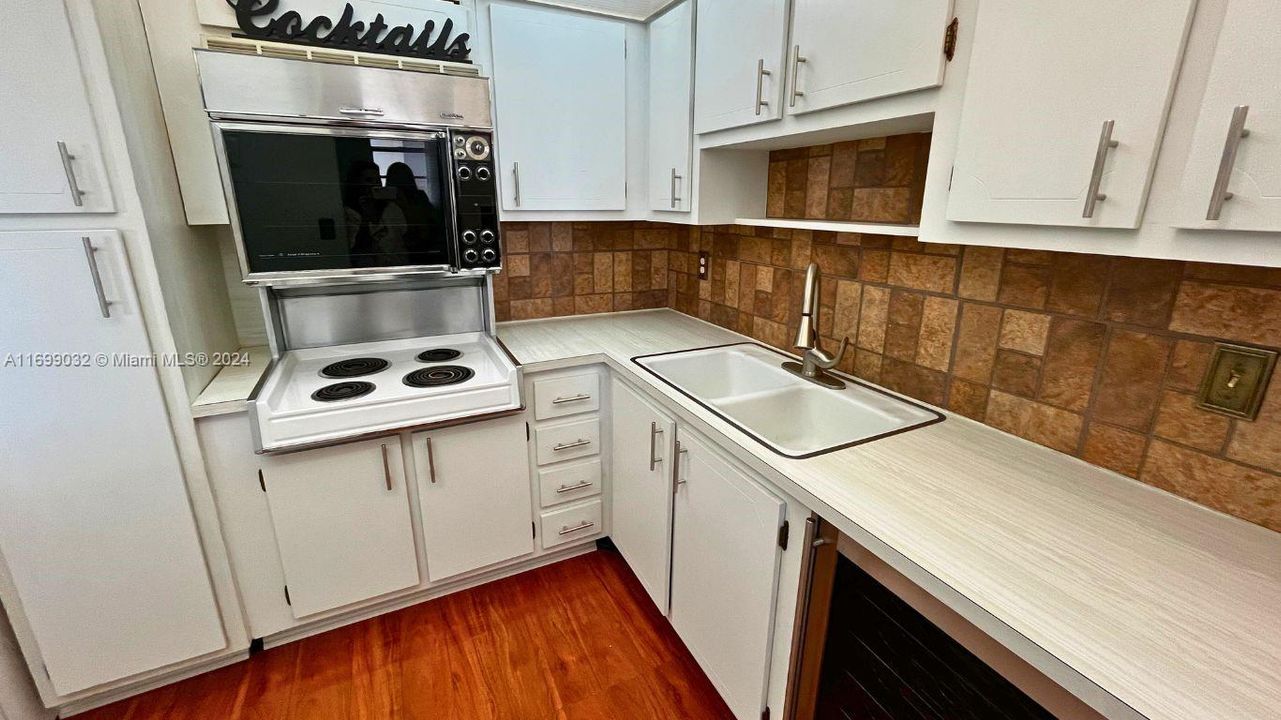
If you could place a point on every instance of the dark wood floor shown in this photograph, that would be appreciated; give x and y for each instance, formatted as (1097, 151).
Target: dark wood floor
(579, 639)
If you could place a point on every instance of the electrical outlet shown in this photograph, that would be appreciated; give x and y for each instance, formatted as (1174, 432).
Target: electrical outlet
(1236, 380)
(704, 265)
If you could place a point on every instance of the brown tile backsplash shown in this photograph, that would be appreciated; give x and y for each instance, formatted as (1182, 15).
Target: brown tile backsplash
(1095, 356)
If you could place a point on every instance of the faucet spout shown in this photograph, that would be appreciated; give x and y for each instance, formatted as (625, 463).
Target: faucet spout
(807, 334)
(814, 361)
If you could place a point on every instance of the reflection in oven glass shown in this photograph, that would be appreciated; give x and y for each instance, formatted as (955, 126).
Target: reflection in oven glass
(320, 202)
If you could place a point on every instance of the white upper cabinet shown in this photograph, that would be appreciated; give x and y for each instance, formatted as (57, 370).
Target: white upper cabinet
(641, 480)
(1233, 176)
(52, 162)
(560, 90)
(1064, 109)
(671, 82)
(846, 52)
(725, 569)
(96, 528)
(342, 521)
(739, 68)
(474, 488)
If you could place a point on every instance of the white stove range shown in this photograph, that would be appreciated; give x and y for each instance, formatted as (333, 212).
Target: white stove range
(322, 395)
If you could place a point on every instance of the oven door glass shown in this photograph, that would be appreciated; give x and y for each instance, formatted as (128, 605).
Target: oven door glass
(314, 201)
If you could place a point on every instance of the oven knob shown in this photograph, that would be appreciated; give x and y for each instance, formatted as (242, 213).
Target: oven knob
(460, 154)
(464, 173)
(470, 256)
(459, 140)
(482, 174)
(487, 237)
(489, 255)
(478, 148)
(469, 237)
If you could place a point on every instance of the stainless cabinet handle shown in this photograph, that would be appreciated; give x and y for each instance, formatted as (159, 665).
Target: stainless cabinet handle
(1236, 131)
(572, 488)
(570, 399)
(676, 468)
(796, 74)
(77, 195)
(362, 111)
(1092, 195)
(654, 432)
(761, 74)
(90, 254)
(675, 177)
(570, 446)
(581, 526)
(516, 184)
(431, 462)
(386, 468)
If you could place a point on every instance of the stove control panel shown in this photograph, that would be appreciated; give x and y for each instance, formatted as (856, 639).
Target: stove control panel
(475, 200)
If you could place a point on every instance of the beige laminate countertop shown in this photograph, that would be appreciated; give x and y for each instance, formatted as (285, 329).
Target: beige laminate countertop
(1141, 603)
(233, 385)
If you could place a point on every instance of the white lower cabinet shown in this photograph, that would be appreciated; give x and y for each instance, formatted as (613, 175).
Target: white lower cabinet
(474, 490)
(643, 439)
(342, 523)
(725, 571)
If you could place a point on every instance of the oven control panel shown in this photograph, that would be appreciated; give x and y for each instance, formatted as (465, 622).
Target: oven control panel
(475, 200)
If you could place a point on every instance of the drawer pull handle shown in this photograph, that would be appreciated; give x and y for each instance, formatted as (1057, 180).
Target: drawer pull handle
(1236, 131)
(571, 488)
(1092, 194)
(431, 462)
(570, 399)
(77, 195)
(570, 446)
(104, 305)
(386, 468)
(582, 526)
(654, 432)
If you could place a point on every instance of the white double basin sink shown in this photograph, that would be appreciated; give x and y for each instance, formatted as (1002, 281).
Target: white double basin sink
(746, 385)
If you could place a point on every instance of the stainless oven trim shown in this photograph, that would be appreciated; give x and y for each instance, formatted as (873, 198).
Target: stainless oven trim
(311, 277)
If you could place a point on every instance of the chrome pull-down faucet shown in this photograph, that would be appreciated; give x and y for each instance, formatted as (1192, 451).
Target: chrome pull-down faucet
(814, 360)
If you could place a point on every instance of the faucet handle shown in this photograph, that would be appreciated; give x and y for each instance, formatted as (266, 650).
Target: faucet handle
(827, 362)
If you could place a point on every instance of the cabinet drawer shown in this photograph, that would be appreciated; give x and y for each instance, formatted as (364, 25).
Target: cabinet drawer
(572, 523)
(566, 442)
(561, 396)
(562, 484)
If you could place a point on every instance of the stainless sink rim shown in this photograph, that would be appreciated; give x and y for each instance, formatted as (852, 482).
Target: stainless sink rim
(938, 417)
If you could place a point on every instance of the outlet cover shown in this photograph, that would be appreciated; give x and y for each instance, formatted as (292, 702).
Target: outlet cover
(1236, 380)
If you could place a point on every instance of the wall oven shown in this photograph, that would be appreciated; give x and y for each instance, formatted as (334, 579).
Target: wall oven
(336, 173)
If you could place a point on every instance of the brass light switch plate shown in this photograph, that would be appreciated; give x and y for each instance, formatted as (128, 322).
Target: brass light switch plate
(1237, 378)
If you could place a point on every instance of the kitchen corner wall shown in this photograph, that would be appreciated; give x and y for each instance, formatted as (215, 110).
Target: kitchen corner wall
(1094, 356)
(555, 269)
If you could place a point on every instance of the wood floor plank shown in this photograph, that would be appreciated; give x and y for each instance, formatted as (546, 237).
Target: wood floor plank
(578, 640)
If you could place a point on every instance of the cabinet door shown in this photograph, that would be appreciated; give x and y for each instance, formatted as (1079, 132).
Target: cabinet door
(560, 90)
(1247, 63)
(342, 523)
(96, 529)
(474, 487)
(738, 77)
(47, 135)
(671, 79)
(1045, 79)
(725, 559)
(641, 480)
(845, 53)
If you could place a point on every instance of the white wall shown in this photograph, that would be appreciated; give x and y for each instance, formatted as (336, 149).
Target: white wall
(188, 259)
